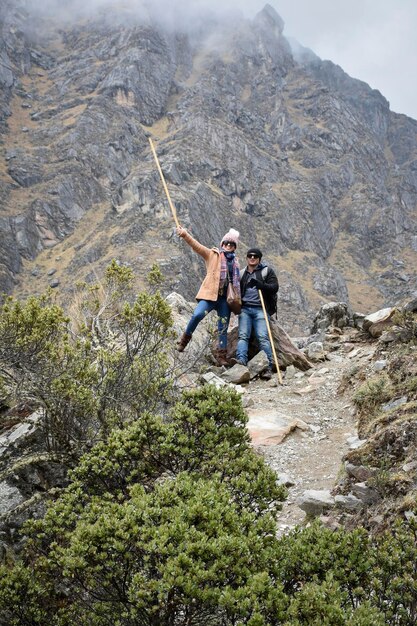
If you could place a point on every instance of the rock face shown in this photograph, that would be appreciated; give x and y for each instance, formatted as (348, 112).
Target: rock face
(305, 161)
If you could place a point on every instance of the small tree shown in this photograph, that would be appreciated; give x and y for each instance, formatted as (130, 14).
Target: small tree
(93, 370)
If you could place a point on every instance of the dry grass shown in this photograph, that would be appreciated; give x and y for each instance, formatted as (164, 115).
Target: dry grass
(123, 99)
(199, 65)
(4, 174)
(38, 83)
(19, 118)
(20, 199)
(362, 296)
(88, 230)
(160, 129)
(72, 117)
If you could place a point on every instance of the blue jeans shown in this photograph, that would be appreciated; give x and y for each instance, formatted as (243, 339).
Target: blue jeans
(252, 317)
(203, 308)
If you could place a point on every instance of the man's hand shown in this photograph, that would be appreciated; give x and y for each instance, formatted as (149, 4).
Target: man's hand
(254, 282)
(181, 232)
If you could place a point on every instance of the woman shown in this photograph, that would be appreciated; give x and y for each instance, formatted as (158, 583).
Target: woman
(222, 267)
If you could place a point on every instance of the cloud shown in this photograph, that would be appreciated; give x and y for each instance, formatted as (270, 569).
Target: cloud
(182, 14)
(373, 40)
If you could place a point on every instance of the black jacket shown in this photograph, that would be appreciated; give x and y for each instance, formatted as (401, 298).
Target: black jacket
(268, 285)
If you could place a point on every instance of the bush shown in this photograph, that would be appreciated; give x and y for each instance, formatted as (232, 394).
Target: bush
(169, 521)
(153, 543)
(88, 373)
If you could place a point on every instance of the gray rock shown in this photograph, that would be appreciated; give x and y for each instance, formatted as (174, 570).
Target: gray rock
(348, 503)
(16, 436)
(258, 364)
(238, 375)
(394, 404)
(332, 314)
(315, 351)
(354, 442)
(10, 498)
(210, 378)
(359, 472)
(409, 467)
(290, 372)
(247, 402)
(358, 320)
(315, 502)
(286, 480)
(376, 323)
(411, 305)
(365, 493)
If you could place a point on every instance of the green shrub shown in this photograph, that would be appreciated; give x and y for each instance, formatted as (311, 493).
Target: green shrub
(93, 370)
(168, 521)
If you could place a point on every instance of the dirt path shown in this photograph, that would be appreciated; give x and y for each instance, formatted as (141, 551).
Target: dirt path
(310, 454)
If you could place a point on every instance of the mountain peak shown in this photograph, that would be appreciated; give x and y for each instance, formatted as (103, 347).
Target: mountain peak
(269, 17)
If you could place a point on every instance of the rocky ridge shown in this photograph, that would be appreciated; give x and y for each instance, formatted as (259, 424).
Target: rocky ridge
(305, 161)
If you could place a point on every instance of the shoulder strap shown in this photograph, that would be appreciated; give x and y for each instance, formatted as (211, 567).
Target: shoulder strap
(264, 272)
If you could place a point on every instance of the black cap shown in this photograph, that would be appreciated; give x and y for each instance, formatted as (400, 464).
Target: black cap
(255, 251)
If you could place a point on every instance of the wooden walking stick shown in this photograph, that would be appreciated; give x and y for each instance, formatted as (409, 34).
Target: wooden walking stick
(174, 213)
(270, 337)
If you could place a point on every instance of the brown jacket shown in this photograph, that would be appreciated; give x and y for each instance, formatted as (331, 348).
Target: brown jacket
(209, 289)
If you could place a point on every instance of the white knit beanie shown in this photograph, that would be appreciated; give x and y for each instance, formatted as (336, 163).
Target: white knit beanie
(232, 235)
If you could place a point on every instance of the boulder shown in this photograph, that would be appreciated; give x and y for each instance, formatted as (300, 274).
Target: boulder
(287, 352)
(314, 502)
(376, 323)
(332, 314)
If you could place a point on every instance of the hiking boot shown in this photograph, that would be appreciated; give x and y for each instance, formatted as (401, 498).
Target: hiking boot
(267, 374)
(221, 357)
(183, 342)
(234, 361)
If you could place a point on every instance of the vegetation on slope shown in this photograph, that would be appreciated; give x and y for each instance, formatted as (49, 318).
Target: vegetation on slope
(169, 517)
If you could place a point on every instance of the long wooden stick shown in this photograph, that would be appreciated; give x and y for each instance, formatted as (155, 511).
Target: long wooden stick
(270, 337)
(174, 213)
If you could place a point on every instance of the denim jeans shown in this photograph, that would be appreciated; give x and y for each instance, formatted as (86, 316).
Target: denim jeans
(252, 318)
(203, 308)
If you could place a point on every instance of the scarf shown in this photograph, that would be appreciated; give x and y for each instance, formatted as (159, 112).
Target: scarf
(229, 270)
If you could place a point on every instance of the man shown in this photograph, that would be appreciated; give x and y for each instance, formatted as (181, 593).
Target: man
(256, 276)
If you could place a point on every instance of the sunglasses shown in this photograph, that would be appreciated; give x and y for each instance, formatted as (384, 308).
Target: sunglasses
(229, 243)
(252, 256)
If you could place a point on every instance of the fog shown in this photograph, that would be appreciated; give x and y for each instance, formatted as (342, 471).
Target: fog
(373, 40)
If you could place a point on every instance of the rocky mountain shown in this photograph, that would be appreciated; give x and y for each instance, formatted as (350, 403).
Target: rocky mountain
(305, 161)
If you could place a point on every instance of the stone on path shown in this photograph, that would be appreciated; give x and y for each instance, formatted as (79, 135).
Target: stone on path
(238, 374)
(268, 427)
(314, 502)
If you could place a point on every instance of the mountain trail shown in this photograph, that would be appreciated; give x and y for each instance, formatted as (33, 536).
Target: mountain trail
(304, 427)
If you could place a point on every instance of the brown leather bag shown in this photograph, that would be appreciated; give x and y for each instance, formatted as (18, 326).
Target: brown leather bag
(233, 299)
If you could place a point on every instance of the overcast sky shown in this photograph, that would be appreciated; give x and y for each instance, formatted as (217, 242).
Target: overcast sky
(373, 40)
